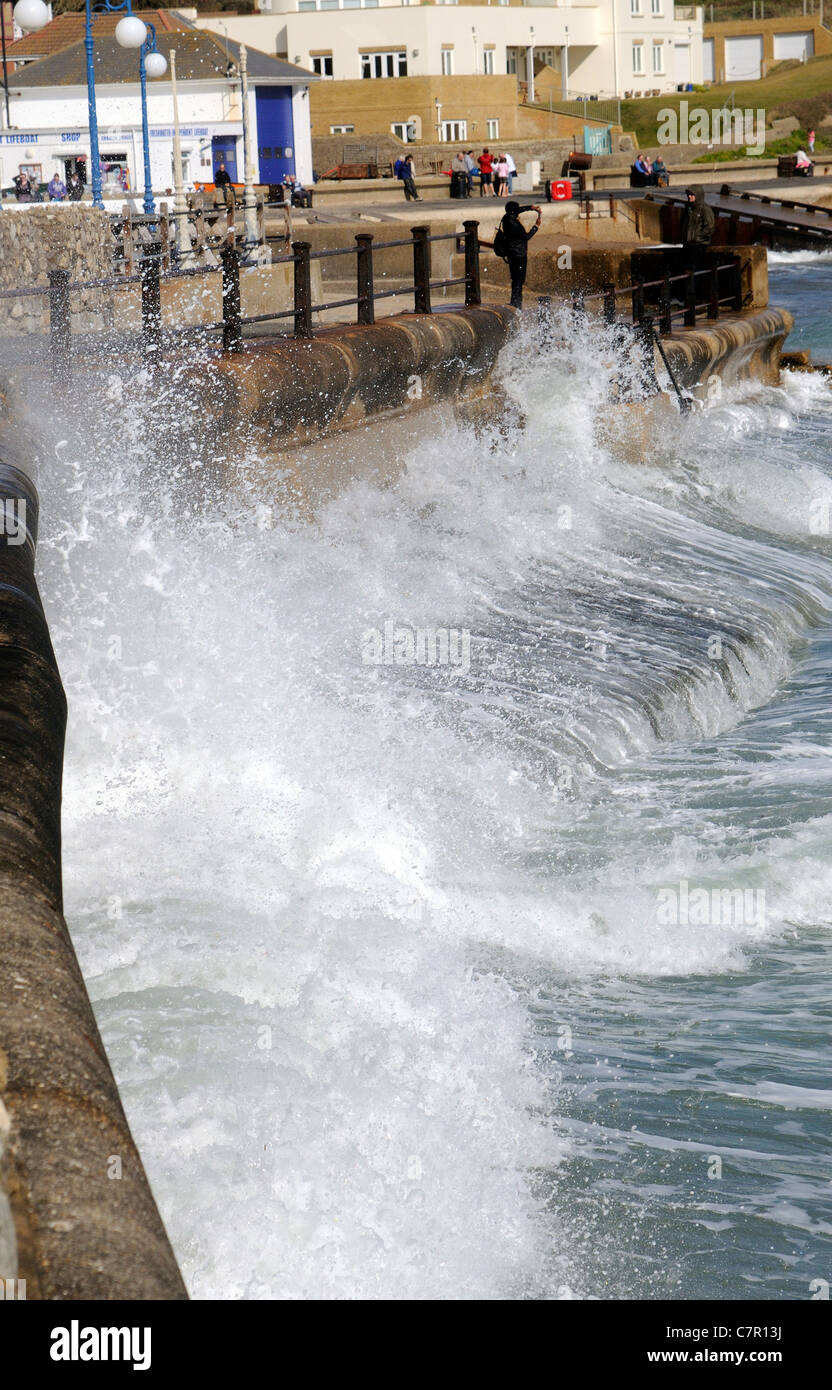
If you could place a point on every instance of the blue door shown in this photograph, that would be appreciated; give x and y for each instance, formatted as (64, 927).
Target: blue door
(275, 133)
(224, 151)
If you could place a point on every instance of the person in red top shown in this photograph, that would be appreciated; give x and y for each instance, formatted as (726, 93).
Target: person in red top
(486, 163)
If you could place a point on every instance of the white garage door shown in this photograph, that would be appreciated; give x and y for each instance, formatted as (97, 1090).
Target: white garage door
(743, 58)
(794, 45)
(708, 60)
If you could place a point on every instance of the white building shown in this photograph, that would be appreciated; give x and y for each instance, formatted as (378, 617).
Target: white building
(50, 129)
(605, 49)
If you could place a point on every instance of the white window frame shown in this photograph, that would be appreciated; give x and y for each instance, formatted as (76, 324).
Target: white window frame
(492, 127)
(395, 58)
(342, 130)
(488, 62)
(454, 132)
(635, 7)
(657, 9)
(447, 62)
(658, 53)
(638, 59)
(323, 59)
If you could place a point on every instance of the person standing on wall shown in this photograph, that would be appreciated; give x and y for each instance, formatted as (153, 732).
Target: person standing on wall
(511, 242)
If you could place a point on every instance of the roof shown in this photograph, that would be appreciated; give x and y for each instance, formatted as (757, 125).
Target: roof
(66, 29)
(200, 57)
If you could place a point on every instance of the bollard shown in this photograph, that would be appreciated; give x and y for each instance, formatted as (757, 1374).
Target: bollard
(421, 269)
(151, 301)
(232, 328)
(60, 326)
(303, 289)
(645, 333)
(472, 264)
(364, 276)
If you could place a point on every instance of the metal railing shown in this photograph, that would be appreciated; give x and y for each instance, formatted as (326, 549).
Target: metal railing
(152, 272)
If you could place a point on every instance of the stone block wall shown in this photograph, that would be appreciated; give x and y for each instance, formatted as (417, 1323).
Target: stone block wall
(35, 239)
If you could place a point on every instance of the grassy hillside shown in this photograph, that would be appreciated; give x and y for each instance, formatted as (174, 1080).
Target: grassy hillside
(796, 89)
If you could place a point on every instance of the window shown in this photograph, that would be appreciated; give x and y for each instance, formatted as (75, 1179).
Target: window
(638, 57)
(322, 64)
(342, 130)
(329, 4)
(352, 4)
(656, 6)
(658, 57)
(371, 4)
(447, 62)
(635, 6)
(488, 62)
(511, 62)
(492, 130)
(384, 64)
(454, 132)
(307, 5)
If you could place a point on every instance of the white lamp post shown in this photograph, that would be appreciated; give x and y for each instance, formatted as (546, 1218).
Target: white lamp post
(180, 207)
(249, 200)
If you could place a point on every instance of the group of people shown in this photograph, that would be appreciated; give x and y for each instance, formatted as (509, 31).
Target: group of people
(27, 189)
(496, 172)
(644, 172)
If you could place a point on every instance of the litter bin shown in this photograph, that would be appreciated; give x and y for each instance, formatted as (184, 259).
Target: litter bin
(459, 185)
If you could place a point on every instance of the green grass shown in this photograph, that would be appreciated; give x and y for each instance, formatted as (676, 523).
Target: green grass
(788, 144)
(803, 90)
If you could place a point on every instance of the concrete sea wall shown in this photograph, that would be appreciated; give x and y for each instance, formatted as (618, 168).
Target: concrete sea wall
(84, 1224)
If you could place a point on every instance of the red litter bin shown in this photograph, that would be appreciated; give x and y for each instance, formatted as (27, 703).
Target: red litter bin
(558, 189)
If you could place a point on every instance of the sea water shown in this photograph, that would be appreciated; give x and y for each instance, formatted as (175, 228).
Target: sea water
(502, 977)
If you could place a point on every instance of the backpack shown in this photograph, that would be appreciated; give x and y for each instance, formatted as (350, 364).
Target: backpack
(500, 244)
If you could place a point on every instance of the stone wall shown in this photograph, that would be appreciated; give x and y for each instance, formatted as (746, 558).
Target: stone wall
(35, 239)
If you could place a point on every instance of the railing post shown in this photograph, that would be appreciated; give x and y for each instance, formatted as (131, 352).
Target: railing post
(609, 303)
(127, 238)
(736, 285)
(151, 299)
(303, 289)
(421, 269)
(164, 235)
(232, 329)
(645, 332)
(544, 319)
(364, 278)
(713, 292)
(199, 225)
(666, 321)
(638, 301)
(261, 219)
(60, 327)
(690, 300)
(472, 263)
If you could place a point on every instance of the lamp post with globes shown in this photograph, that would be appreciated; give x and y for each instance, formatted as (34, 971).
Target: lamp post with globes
(152, 63)
(33, 15)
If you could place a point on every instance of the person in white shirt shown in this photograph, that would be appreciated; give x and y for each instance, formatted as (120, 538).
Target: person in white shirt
(512, 170)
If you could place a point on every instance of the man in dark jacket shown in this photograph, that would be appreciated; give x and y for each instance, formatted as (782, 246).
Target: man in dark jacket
(515, 241)
(697, 226)
(223, 184)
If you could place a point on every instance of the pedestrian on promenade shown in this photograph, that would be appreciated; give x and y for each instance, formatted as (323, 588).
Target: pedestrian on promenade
(75, 189)
(486, 163)
(811, 139)
(501, 176)
(56, 188)
(512, 173)
(470, 169)
(511, 242)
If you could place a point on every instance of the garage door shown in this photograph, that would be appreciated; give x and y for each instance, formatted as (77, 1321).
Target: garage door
(794, 45)
(708, 60)
(743, 58)
(681, 66)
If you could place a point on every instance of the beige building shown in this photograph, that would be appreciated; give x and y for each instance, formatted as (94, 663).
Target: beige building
(453, 72)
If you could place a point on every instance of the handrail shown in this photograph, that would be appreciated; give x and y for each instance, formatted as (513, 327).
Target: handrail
(151, 274)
